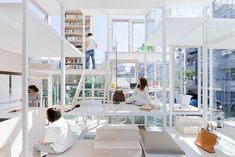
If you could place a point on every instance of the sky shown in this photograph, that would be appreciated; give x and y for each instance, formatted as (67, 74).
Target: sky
(100, 25)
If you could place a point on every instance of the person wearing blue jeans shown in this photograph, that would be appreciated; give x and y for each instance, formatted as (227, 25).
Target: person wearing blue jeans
(90, 51)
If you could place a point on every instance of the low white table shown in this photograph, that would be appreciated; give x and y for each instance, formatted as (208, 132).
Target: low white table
(96, 108)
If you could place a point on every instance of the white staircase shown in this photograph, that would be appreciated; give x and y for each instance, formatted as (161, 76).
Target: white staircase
(93, 84)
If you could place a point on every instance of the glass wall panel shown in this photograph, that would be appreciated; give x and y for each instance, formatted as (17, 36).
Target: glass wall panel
(35, 9)
(72, 82)
(221, 69)
(141, 70)
(56, 89)
(138, 35)
(120, 36)
(223, 85)
(125, 74)
(153, 19)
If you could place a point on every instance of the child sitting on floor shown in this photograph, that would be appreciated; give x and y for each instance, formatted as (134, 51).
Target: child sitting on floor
(58, 137)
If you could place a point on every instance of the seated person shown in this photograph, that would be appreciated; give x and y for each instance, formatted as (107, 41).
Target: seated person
(33, 96)
(140, 94)
(140, 97)
(58, 137)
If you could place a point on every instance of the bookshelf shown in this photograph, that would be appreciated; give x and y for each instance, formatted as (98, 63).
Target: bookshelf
(74, 26)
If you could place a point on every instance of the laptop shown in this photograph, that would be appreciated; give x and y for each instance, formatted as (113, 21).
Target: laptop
(133, 85)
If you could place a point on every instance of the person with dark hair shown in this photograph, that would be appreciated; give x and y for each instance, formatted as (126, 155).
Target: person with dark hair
(140, 97)
(58, 137)
(33, 97)
(140, 94)
(91, 45)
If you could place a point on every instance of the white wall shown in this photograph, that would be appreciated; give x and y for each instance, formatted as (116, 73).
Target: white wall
(11, 133)
(4, 90)
(10, 62)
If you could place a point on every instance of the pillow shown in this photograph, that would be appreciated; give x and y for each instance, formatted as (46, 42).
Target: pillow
(160, 143)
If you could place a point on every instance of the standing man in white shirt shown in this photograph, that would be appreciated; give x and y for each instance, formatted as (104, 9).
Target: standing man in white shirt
(90, 51)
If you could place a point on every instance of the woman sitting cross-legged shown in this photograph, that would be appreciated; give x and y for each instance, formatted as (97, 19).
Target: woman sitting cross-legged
(58, 137)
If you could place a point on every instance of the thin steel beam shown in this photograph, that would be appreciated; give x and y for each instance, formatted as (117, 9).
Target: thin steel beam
(164, 72)
(62, 58)
(171, 82)
(25, 139)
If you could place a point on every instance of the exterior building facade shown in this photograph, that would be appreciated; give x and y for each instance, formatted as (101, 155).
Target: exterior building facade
(223, 66)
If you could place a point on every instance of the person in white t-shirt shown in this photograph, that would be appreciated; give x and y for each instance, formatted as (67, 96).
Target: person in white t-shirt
(91, 45)
(58, 137)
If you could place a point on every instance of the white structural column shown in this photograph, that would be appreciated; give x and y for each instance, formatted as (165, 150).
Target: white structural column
(164, 72)
(84, 50)
(25, 139)
(181, 72)
(184, 71)
(62, 58)
(145, 51)
(155, 79)
(171, 82)
(50, 83)
(84, 36)
(199, 78)
(146, 27)
(145, 64)
(211, 74)
(110, 33)
(130, 34)
(109, 49)
(205, 66)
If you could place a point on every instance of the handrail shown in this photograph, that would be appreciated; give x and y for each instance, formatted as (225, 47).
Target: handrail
(78, 90)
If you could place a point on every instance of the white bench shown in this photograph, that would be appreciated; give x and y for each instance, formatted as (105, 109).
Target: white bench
(80, 148)
(118, 132)
(111, 141)
(87, 148)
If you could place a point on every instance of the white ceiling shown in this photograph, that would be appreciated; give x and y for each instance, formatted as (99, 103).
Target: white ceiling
(114, 11)
(188, 32)
(178, 32)
(117, 7)
(50, 6)
(132, 4)
(43, 41)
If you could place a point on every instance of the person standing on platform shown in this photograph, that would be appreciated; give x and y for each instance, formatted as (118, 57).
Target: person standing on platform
(91, 45)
